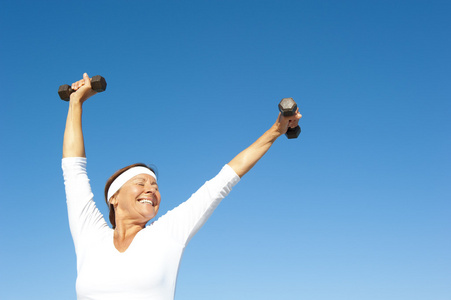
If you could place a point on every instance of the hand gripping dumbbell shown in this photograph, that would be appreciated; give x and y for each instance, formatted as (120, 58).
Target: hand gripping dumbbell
(288, 107)
(98, 84)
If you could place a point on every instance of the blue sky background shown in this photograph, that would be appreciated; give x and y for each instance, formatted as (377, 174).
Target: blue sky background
(358, 207)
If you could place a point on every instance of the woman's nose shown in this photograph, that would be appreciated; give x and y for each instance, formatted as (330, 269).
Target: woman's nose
(150, 188)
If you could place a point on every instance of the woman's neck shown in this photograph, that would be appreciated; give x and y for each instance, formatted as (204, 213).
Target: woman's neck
(124, 233)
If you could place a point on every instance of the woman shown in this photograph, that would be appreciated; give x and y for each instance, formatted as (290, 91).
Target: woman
(132, 260)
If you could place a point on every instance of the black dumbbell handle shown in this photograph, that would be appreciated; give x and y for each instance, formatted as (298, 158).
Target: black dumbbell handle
(98, 84)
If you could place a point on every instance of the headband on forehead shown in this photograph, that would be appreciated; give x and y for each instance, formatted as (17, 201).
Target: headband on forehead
(126, 176)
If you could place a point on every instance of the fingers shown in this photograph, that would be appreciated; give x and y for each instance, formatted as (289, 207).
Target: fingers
(85, 81)
(293, 121)
(82, 89)
(76, 85)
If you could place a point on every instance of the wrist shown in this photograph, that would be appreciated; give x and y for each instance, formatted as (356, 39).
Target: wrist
(76, 101)
(274, 132)
(277, 129)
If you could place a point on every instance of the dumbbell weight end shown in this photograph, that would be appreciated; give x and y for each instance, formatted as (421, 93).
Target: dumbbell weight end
(64, 91)
(293, 133)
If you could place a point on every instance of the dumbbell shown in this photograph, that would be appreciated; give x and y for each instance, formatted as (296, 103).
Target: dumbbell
(98, 84)
(288, 107)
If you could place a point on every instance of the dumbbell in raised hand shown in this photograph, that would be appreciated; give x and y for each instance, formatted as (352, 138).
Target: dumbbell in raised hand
(288, 107)
(98, 84)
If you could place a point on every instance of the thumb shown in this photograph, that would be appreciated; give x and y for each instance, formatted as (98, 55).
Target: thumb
(87, 80)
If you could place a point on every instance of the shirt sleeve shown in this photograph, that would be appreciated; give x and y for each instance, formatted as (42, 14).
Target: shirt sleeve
(85, 220)
(185, 220)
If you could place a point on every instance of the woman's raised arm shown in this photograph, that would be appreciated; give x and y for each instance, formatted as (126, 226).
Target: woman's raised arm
(244, 161)
(73, 144)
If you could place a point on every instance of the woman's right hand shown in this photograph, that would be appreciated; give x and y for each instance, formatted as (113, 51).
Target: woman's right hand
(82, 89)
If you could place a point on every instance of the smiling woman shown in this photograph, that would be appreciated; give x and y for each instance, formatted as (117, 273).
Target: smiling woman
(112, 215)
(133, 260)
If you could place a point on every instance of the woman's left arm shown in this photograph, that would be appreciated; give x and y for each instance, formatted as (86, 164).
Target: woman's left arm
(244, 161)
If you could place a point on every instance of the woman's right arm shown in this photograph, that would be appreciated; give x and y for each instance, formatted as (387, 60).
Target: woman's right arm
(85, 220)
(73, 144)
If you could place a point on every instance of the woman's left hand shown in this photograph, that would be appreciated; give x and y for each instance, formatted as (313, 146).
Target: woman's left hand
(283, 123)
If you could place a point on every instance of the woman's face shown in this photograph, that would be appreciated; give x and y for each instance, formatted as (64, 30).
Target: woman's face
(138, 199)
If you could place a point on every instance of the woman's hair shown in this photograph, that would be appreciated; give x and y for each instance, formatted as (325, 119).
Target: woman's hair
(110, 181)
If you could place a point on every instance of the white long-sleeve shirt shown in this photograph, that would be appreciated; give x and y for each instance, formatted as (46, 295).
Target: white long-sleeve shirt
(148, 268)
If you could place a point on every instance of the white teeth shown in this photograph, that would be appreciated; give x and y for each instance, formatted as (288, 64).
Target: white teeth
(146, 201)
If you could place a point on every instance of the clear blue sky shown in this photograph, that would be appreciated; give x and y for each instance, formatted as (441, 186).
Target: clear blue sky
(357, 208)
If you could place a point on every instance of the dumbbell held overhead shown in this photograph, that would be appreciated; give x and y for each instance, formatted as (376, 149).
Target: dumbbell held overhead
(288, 107)
(98, 84)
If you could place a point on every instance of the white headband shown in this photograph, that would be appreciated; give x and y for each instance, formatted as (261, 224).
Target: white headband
(126, 176)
